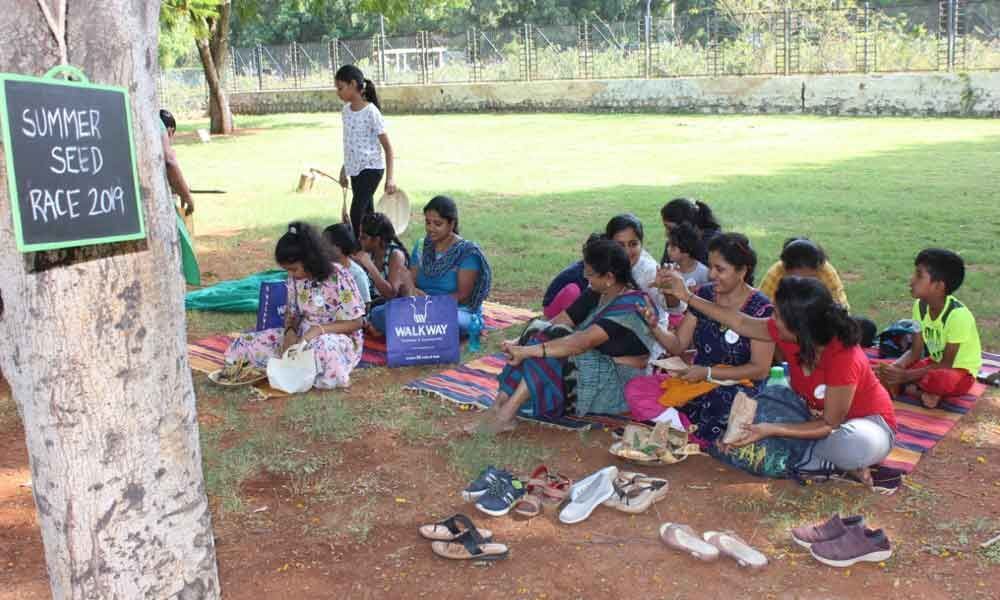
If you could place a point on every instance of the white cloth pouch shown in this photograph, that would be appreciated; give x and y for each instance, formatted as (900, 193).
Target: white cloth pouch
(295, 371)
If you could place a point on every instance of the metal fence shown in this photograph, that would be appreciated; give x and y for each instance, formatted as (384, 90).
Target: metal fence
(947, 35)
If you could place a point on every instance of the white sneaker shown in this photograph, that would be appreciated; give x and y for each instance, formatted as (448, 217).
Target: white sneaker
(587, 494)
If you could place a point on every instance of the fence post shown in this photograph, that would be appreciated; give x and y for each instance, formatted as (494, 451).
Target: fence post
(713, 46)
(583, 49)
(951, 35)
(868, 36)
(332, 56)
(294, 51)
(383, 72)
(786, 51)
(647, 50)
(524, 58)
(259, 54)
(422, 44)
(233, 71)
(947, 32)
(472, 43)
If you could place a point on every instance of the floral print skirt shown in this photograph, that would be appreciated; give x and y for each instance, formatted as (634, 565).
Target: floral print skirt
(336, 354)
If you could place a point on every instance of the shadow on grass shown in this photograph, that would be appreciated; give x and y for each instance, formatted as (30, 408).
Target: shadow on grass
(872, 214)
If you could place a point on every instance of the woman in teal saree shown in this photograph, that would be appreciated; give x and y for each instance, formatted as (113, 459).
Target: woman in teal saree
(610, 345)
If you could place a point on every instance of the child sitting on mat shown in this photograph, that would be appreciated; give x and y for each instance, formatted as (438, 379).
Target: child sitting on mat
(947, 331)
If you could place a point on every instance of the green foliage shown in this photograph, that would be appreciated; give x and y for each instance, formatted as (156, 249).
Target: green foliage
(176, 45)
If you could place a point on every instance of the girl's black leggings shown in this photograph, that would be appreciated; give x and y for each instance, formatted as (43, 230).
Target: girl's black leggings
(363, 185)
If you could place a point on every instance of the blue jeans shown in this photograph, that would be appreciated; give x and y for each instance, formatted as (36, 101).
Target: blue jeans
(378, 317)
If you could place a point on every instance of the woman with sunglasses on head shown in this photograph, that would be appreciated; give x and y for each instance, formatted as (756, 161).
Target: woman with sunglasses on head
(721, 354)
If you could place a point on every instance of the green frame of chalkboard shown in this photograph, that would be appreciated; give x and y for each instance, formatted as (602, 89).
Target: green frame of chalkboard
(50, 78)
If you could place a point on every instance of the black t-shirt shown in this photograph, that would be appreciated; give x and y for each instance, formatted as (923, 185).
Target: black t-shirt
(621, 340)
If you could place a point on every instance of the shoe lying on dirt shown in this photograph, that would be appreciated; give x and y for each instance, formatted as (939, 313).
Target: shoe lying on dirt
(500, 497)
(482, 483)
(859, 544)
(831, 529)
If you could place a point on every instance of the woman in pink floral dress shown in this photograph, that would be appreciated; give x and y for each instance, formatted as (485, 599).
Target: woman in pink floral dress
(324, 309)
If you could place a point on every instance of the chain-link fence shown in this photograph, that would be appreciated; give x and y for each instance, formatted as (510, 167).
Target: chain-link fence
(947, 35)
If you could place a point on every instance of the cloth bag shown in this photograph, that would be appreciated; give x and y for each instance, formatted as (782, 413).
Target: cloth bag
(295, 371)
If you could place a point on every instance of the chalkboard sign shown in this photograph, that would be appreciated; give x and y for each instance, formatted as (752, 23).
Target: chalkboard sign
(70, 161)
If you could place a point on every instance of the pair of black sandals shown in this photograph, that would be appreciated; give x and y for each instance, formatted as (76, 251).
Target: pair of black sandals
(458, 538)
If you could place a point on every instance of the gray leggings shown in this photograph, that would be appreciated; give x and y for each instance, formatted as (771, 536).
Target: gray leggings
(855, 444)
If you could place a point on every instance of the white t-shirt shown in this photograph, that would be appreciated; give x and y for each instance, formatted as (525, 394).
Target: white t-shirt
(362, 149)
(696, 277)
(361, 278)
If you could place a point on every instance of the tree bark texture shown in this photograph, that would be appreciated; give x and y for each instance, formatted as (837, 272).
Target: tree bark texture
(214, 55)
(96, 353)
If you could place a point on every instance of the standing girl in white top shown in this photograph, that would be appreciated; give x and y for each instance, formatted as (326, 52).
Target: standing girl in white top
(365, 140)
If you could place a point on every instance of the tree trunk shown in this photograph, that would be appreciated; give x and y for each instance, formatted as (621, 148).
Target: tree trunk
(96, 356)
(214, 54)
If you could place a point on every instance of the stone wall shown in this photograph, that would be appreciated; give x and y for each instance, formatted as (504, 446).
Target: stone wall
(922, 94)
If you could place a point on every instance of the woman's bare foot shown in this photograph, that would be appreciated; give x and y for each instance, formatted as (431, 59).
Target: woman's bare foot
(929, 400)
(863, 475)
(489, 416)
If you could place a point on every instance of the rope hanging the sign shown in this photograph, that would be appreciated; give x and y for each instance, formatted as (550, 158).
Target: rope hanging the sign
(57, 25)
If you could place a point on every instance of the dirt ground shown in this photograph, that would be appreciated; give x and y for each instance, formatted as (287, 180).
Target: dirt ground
(359, 539)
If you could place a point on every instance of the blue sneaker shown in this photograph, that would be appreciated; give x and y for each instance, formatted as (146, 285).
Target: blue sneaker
(501, 496)
(482, 483)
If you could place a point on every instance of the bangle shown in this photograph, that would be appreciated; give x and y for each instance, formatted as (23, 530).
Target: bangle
(544, 353)
(708, 377)
(690, 295)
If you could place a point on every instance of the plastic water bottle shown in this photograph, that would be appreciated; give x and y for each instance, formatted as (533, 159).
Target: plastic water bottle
(475, 331)
(777, 377)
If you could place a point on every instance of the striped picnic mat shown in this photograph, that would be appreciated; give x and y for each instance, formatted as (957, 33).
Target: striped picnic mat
(476, 383)
(920, 429)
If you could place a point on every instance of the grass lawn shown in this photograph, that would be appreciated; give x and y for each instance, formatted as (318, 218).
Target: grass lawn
(320, 495)
(531, 187)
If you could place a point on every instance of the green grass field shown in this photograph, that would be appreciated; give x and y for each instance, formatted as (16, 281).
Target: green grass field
(531, 187)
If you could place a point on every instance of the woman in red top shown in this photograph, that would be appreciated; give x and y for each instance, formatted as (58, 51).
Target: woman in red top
(856, 424)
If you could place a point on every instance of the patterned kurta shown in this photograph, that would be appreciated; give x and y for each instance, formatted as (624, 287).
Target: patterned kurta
(312, 303)
(718, 345)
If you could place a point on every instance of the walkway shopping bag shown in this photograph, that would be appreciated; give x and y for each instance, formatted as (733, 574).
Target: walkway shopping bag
(271, 310)
(422, 330)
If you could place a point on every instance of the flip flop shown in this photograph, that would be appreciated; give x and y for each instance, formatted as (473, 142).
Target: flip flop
(470, 546)
(448, 530)
(683, 538)
(733, 546)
